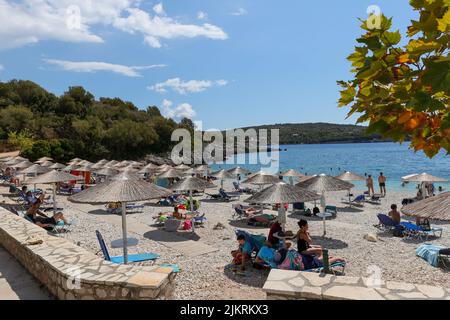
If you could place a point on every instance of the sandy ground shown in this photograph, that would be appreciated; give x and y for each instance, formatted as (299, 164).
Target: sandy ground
(204, 277)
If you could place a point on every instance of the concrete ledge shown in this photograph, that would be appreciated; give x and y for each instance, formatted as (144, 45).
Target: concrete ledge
(71, 272)
(298, 285)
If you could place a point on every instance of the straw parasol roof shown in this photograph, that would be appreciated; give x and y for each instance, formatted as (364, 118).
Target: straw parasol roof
(76, 160)
(202, 167)
(111, 163)
(57, 166)
(46, 163)
(182, 167)
(54, 177)
(323, 183)
(191, 183)
(71, 167)
(171, 173)
(23, 164)
(292, 173)
(85, 163)
(12, 162)
(239, 170)
(35, 169)
(106, 171)
(283, 193)
(409, 176)
(97, 166)
(434, 208)
(262, 178)
(43, 159)
(349, 176)
(192, 171)
(84, 168)
(123, 187)
(425, 177)
(222, 175)
(20, 158)
(6, 159)
(164, 167)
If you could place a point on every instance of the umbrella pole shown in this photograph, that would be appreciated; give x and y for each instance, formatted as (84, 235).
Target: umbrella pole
(324, 218)
(124, 232)
(54, 198)
(221, 184)
(192, 209)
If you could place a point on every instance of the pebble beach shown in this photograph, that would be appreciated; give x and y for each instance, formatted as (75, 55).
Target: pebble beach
(204, 277)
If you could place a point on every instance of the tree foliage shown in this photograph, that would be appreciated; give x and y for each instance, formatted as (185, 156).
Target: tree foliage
(403, 91)
(76, 125)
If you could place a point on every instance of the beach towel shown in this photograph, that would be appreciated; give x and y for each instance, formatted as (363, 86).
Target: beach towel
(293, 261)
(430, 253)
(268, 256)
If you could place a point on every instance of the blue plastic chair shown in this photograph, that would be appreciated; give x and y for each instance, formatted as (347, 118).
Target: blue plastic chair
(120, 259)
(386, 222)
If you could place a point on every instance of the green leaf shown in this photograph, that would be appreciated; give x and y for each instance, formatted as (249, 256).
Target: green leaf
(391, 38)
(437, 76)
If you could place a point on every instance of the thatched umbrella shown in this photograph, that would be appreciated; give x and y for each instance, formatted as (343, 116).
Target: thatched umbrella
(321, 184)
(182, 167)
(424, 177)
(291, 173)
(349, 176)
(222, 175)
(71, 167)
(111, 163)
(123, 188)
(76, 160)
(35, 169)
(171, 173)
(46, 163)
(164, 167)
(57, 166)
(202, 169)
(239, 171)
(23, 164)
(53, 177)
(433, 208)
(190, 184)
(262, 178)
(43, 159)
(85, 163)
(84, 168)
(12, 162)
(97, 166)
(281, 193)
(107, 171)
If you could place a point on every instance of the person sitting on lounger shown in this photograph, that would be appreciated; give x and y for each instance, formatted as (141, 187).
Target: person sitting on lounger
(248, 210)
(23, 192)
(394, 214)
(41, 220)
(304, 241)
(275, 228)
(266, 257)
(243, 253)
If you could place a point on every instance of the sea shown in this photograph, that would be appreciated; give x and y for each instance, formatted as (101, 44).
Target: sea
(393, 159)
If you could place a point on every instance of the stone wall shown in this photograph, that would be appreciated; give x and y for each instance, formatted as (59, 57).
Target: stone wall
(71, 272)
(297, 285)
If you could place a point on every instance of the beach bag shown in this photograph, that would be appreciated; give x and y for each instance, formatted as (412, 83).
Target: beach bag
(187, 225)
(425, 225)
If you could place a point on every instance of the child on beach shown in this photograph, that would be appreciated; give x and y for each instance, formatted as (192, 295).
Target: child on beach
(243, 253)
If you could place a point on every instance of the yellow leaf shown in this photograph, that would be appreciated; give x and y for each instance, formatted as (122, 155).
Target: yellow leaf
(444, 22)
(404, 58)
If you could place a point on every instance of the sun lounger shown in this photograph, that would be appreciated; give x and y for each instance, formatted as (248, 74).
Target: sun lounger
(444, 257)
(375, 199)
(120, 259)
(385, 222)
(229, 195)
(430, 253)
(242, 190)
(240, 211)
(412, 230)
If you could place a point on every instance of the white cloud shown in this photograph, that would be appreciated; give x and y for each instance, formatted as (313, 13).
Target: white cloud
(162, 27)
(159, 9)
(183, 110)
(202, 15)
(31, 21)
(239, 12)
(183, 87)
(94, 66)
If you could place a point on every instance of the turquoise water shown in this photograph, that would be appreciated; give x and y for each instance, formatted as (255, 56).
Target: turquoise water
(394, 160)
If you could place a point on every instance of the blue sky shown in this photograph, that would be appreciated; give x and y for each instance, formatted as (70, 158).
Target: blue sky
(228, 63)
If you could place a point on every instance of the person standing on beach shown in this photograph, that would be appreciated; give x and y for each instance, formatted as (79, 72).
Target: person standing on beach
(369, 184)
(382, 183)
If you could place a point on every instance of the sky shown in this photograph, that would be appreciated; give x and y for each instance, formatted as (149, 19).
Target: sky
(227, 63)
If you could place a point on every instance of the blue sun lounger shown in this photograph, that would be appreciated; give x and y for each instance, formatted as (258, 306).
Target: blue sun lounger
(413, 230)
(120, 259)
